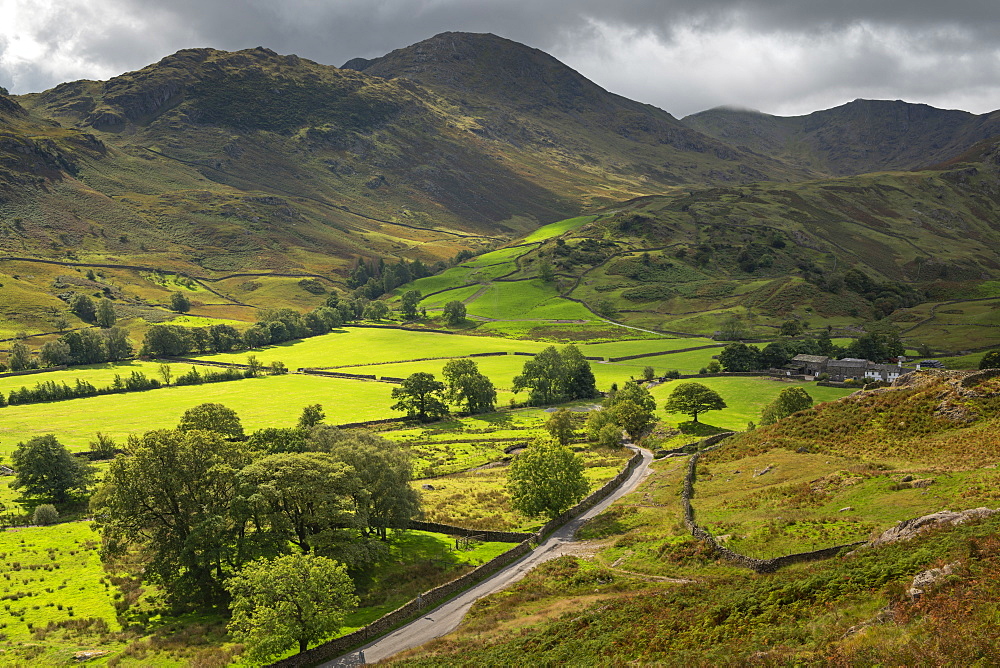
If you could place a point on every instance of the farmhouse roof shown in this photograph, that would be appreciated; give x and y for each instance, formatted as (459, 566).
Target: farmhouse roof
(849, 363)
(812, 359)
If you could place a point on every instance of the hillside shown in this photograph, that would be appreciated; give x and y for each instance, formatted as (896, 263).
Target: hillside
(854, 138)
(836, 252)
(257, 142)
(642, 589)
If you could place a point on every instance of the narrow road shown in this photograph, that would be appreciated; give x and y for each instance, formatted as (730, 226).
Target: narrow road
(447, 616)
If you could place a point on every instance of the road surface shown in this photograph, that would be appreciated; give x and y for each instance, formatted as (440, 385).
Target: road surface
(447, 616)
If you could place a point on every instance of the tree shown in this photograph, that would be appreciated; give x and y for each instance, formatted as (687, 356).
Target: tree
(734, 329)
(86, 346)
(385, 499)
(45, 514)
(116, 344)
(166, 373)
(104, 315)
(179, 302)
(632, 408)
(170, 501)
(545, 271)
(45, 469)
(54, 353)
(991, 360)
(740, 357)
(791, 328)
(553, 376)
(547, 478)
(277, 439)
(560, 426)
(20, 357)
(254, 366)
(454, 313)
(466, 385)
(288, 601)
(305, 498)
(103, 446)
(578, 379)
(789, 400)
(167, 340)
(420, 396)
(311, 416)
(409, 302)
(376, 310)
(83, 307)
(693, 399)
(648, 373)
(212, 417)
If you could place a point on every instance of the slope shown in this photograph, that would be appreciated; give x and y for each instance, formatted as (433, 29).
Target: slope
(854, 138)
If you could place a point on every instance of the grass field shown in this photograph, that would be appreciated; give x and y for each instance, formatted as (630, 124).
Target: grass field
(745, 397)
(272, 401)
(526, 300)
(357, 345)
(556, 229)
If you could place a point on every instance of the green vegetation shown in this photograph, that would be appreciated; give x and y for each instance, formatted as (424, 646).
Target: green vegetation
(545, 479)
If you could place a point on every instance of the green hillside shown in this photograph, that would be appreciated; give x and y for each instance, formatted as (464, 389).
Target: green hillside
(641, 589)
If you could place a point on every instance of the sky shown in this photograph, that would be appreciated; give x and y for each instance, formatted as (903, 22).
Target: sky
(784, 57)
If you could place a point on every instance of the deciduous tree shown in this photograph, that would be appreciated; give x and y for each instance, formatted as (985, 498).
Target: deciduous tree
(289, 601)
(385, 499)
(560, 426)
(179, 302)
(171, 500)
(409, 302)
(454, 313)
(45, 469)
(104, 314)
(212, 417)
(789, 400)
(311, 416)
(693, 399)
(991, 360)
(545, 479)
(466, 385)
(420, 396)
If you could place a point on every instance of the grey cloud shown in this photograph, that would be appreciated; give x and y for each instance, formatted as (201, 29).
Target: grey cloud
(938, 51)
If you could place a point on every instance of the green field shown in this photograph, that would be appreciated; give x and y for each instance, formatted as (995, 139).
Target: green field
(744, 397)
(526, 300)
(358, 345)
(271, 401)
(556, 229)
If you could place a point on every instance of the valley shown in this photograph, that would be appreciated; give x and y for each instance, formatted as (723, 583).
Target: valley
(303, 246)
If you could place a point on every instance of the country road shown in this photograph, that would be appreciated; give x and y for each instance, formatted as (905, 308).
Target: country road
(447, 616)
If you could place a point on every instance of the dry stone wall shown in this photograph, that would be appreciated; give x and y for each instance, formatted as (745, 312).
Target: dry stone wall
(757, 565)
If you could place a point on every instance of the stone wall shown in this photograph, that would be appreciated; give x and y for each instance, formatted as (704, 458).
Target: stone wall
(31, 372)
(487, 536)
(757, 565)
(592, 499)
(625, 358)
(337, 647)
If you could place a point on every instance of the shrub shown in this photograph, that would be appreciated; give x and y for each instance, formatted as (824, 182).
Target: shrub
(45, 514)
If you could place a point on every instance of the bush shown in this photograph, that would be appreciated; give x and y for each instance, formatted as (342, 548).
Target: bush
(45, 514)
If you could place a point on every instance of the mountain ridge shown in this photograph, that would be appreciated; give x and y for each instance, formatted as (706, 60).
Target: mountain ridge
(853, 138)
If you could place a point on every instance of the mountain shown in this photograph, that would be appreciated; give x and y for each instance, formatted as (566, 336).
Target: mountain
(854, 138)
(229, 161)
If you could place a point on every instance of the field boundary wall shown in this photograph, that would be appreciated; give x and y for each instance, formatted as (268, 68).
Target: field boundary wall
(754, 564)
(338, 646)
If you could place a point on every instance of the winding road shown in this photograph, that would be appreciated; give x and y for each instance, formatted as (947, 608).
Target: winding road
(447, 616)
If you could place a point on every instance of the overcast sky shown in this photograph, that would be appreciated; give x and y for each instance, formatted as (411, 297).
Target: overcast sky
(779, 56)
